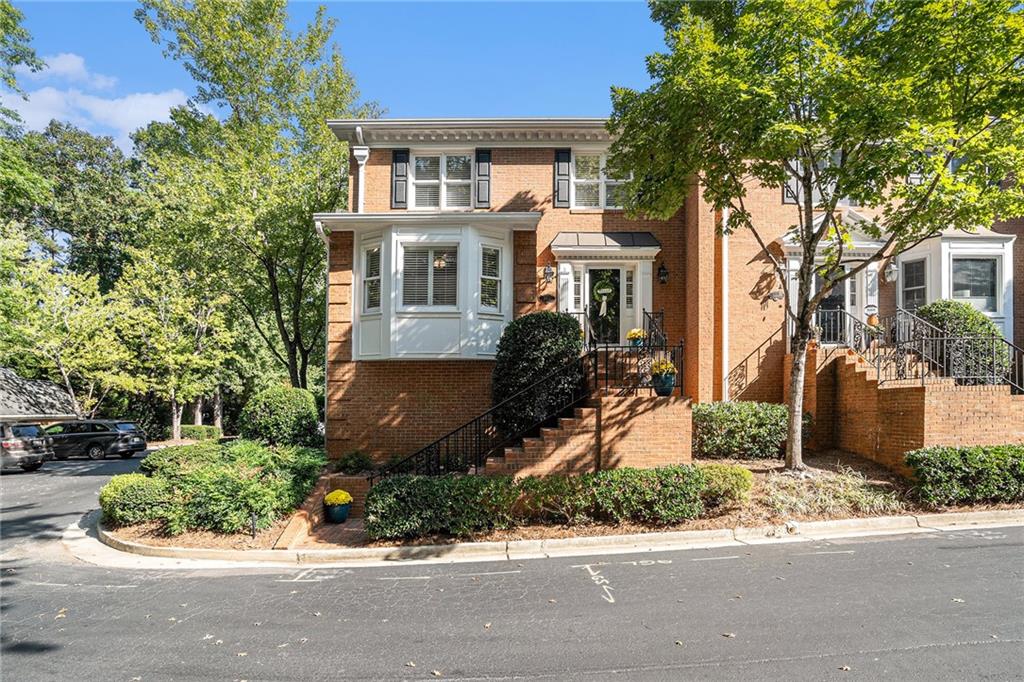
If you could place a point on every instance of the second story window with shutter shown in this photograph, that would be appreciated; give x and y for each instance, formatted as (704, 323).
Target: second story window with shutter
(490, 278)
(591, 185)
(442, 181)
(430, 276)
(371, 279)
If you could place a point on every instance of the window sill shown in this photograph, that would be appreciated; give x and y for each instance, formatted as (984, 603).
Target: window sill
(585, 211)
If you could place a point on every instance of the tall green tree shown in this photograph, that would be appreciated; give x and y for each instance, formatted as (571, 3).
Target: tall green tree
(844, 98)
(236, 189)
(15, 51)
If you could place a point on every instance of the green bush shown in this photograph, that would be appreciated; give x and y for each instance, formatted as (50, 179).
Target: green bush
(406, 506)
(133, 498)
(739, 429)
(726, 484)
(179, 458)
(281, 415)
(949, 476)
(200, 432)
(531, 348)
(981, 359)
(353, 463)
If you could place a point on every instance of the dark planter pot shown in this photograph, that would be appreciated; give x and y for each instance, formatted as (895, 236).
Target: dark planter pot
(663, 384)
(636, 342)
(337, 513)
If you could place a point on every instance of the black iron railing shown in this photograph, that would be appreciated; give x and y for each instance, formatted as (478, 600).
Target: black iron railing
(654, 329)
(626, 370)
(904, 347)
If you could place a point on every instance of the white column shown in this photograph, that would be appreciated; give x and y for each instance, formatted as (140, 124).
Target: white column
(361, 154)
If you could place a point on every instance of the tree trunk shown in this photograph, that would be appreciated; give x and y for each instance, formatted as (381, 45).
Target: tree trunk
(197, 412)
(218, 409)
(176, 410)
(794, 439)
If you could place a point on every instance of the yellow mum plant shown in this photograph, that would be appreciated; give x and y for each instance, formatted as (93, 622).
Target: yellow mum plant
(659, 367)
(336, 498)
(636, 333)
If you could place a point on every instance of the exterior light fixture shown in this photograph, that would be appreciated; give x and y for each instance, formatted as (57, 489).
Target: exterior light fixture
(549, 273)
(663, 273)
(892, 271)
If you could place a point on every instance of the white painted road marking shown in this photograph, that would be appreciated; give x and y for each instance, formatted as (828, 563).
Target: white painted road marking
(715, 558)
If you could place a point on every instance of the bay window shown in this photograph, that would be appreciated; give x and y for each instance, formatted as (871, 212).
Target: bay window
(490, 278)
(430, 276)
(975, 280)
(442, 181)
(371, 279)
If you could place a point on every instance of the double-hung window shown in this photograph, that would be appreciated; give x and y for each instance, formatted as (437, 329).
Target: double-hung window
(442, 181)
(591, 186)
(371, 279)
(975, 280)
(914, 284)
(430, 276)
(490, 278)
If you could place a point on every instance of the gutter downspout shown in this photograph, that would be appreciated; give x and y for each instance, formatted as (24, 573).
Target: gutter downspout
(725, 305)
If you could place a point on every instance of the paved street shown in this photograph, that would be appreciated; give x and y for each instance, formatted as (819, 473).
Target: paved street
(919, 607)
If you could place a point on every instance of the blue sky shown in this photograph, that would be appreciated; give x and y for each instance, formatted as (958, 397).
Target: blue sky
(415, 59)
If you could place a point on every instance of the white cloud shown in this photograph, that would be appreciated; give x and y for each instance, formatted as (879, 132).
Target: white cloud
(69, 67)
(114, 116)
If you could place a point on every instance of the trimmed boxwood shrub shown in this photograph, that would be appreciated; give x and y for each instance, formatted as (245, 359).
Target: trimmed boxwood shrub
(978, 360)
(414, 506)
(281, 415)
(200, 432)
(531, 348)
(177, 459)
(127, 499)
(726, 484)
(968, 475)
(739, 429)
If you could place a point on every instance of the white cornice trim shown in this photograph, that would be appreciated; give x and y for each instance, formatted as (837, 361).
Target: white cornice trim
(508, 132)
(516, 220)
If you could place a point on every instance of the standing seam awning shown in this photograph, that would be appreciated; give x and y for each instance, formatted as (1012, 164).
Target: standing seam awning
(613, 245)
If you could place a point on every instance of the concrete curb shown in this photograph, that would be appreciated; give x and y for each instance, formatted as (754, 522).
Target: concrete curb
(582, 546)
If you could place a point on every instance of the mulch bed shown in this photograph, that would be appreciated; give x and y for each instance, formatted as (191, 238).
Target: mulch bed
(150, 534)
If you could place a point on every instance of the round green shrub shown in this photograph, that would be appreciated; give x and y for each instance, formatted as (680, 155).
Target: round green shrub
(726, 484)
(281, 415)
(531, 348)
(133, 498)
(739, 429)
(968, 475)
(980, 359)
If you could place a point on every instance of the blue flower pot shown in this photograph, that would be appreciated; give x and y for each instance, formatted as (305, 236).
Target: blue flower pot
(337, 513)
(637, 342)
(663, 384)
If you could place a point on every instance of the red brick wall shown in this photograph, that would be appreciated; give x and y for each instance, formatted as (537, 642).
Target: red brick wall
(645, 432)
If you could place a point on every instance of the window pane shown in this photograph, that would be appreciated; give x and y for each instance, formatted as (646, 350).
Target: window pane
(629, 288)
(457, 196)
(588, 195)
(489, 293)
(428, 168)
(913, 298)
(428, 195)
(913, 274)
(415, 270)
(372, 294)
(373, 262)
(577, 289)
(974, 280)
(614, 195)
(446, 276)
(458, 168)
(491, 266)
(588, 166)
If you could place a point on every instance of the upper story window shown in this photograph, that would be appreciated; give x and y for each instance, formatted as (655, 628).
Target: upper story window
(442, 181)
(490, 278)
(591, 186)
(371, 280)
(975, 280)
(915, 289)
(430, 276)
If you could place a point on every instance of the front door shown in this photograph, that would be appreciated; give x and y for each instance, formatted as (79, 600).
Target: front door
(605, 313)
(832, 320)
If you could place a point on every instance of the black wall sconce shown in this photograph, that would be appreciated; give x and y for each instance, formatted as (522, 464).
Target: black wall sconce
(663, 273)
(549, 273)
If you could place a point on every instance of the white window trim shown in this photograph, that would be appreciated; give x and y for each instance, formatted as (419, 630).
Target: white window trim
(902, 279)
(442, 181)
(500, 279)
(400, 279)
(365, 279)
(981, 255)
(602, 182)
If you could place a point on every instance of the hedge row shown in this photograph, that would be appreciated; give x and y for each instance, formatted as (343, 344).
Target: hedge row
(414, 506)
(200, 432)
(969, 475)
(208, 486)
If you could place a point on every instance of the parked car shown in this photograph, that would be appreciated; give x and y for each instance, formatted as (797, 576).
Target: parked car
(96, 438)
(24, 445)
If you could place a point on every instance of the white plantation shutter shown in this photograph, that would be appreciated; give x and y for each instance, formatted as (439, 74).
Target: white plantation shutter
(458, 176)
(371, 280)
(445, 283)
(415, 276)
(427, 181)
(490, 278)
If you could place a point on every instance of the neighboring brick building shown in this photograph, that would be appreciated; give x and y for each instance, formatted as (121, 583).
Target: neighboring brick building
(456, 226)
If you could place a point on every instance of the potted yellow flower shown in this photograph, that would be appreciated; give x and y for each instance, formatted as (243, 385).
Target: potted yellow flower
(337, 505)
(663, 377)
(636, 336)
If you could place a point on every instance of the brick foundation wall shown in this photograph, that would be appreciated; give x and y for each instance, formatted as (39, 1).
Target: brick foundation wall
(645, 432)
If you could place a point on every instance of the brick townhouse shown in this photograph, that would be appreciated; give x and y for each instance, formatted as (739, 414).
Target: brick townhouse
(457, 226)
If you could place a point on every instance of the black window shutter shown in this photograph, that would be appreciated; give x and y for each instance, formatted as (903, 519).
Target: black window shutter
(399, 178)
(483, 179)
(563, 157)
